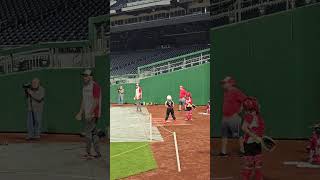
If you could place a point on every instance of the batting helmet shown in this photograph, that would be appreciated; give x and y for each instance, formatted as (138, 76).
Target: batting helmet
(169, 98)
(251, 104)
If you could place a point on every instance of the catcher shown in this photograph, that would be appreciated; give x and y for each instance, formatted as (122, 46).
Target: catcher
(189, 106)
(253, 127)
(314, 151)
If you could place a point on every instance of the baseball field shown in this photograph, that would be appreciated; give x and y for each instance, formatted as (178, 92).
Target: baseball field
(157, 159)
(143, 146)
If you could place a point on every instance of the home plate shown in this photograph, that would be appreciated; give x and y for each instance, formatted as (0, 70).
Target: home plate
(290, 162)
(202, 113)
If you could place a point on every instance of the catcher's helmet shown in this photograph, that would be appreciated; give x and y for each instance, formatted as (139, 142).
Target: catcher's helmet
(169, 97)
(251, 104)
(316, 128)
(229, 80)
(188, 94)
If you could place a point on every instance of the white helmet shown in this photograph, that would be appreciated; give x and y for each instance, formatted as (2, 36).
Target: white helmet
(169, 97)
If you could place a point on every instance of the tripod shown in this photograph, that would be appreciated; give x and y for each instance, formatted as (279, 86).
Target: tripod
(28, 96)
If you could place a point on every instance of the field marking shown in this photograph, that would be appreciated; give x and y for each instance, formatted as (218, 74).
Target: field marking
(230, 177)
(301, 164)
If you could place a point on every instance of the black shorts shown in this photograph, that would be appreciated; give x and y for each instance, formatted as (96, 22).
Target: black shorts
(252, 149)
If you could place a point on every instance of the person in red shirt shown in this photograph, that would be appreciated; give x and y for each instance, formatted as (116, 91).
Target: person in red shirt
(231, 120)
(208, 108)
(253, 127)
(182, 98)
(189, 106)
(314, 151)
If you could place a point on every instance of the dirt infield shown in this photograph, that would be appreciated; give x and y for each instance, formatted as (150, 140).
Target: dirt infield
(194, 148)
(54, 156)
(287, 150)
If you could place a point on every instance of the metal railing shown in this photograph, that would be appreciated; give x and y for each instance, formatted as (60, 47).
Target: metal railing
(123, 79)
(165, 66)
(175, 64)
(234, 8)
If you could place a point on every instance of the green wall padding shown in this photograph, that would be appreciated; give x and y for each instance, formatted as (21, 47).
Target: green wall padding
(155, 89)
(62, 100)
(275, 59)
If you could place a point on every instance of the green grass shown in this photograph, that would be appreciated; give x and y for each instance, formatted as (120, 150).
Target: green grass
(131, 163)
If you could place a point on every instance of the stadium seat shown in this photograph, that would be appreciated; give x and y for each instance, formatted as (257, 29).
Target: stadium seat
(24, 24)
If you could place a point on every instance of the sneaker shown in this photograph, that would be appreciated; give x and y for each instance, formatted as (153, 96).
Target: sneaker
(97, 156)
(223, 154)
(29, 138)
(87, 156)
(241, 154)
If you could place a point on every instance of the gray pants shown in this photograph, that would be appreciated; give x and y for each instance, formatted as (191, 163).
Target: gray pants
(120, 98)
(138, 104)
(231, 126)
(91, 135)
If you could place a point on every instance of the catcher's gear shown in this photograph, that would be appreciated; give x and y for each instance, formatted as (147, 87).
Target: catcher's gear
(251, 104)
(169, 98)
(316, 128)
(191, 106)
(268, 143)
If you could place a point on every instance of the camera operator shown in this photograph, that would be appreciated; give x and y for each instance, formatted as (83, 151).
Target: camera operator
(35, 99)
(120, 95)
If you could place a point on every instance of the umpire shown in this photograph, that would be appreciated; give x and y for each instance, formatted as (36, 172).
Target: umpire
(231, 121)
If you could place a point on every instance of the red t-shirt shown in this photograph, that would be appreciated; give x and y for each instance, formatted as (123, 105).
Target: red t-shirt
(138, 93)
(232, 102)
(183, 93)
(255, 125)
(97, 95)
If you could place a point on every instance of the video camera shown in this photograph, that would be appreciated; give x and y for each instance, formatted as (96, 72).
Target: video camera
(26, 86)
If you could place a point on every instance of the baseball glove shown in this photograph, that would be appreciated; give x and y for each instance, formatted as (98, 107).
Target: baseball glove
(268, 143)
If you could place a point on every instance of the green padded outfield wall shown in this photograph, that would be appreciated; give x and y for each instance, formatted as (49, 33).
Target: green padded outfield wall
(62, 100)
(275, 58)
(155, 89)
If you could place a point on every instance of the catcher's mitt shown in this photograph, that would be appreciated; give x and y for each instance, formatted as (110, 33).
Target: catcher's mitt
(268, 143)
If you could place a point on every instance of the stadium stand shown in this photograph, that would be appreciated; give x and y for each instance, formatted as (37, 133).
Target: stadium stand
(231, 11)
(58, 20)
(128, 62)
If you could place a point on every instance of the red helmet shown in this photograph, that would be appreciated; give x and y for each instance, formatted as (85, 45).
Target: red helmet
(229, 79)
(251, 104)
(188, 94)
